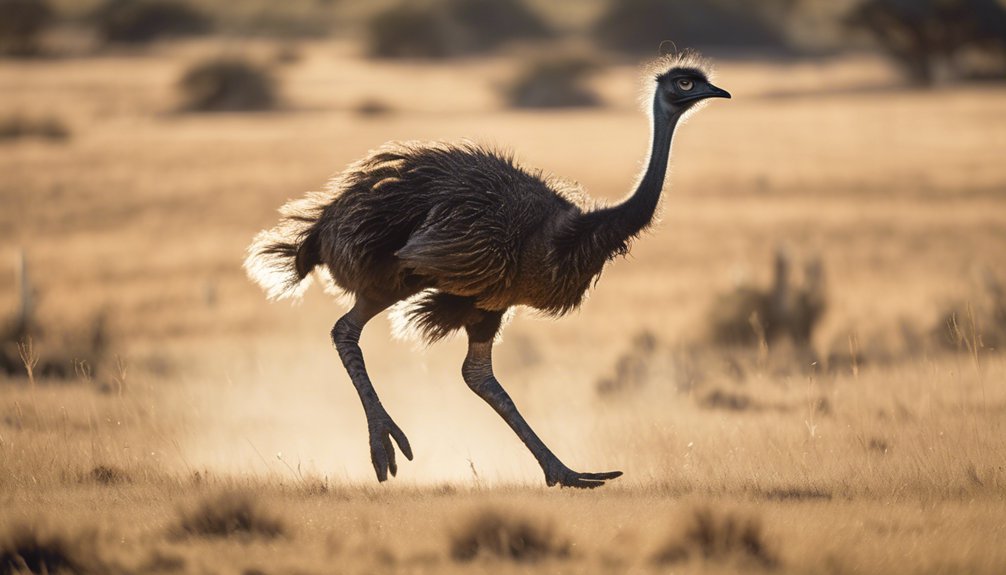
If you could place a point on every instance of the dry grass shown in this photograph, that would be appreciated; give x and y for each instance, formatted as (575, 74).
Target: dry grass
(146, 215)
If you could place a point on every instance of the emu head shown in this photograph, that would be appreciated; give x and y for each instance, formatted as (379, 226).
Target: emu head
(678, 82)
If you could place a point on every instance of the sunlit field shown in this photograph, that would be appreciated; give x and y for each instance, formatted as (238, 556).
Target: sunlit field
(219, 433)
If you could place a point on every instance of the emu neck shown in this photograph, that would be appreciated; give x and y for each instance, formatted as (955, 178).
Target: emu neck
(636, 212)
(612, 228)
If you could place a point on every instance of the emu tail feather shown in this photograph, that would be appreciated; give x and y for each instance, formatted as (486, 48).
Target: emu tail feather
(280, 259)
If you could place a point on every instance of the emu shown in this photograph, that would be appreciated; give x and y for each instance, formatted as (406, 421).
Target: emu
(461, 234)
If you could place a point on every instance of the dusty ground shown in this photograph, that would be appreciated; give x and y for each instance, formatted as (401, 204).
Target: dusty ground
(896, 466)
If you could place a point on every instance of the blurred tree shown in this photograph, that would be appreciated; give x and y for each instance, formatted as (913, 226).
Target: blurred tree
(137, 21)
(21, 25)
(451, 28)
(639, 26)
(931, 39)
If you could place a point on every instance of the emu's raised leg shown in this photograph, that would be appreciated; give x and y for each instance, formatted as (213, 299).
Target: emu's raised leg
(346, 336)
(478, 374)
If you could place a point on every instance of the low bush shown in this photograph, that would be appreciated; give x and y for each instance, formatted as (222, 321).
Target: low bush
(720, 537)
(228, 85)
(22, 23)
(228, 514)
(501, 536)
(33, 549)
(139, 21)
(752, 315)
(555, 83)
(640, 26)
(19, 126)
(451, 28)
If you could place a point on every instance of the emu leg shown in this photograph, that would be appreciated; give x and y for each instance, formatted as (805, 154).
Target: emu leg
(346, 336)
(478, 374)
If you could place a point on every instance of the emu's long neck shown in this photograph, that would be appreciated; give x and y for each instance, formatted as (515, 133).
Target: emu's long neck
(606, 232)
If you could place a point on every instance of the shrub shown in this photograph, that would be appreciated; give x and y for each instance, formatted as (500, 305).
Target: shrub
(31, 549)
(490, 23)
(21, 25)
(408, 31)
(751, 315)
(632, 368)
(17, 126)
(108, 475)
(976, 326)
(639, 26)
(52, 356)
(451, 28)
(138, 21)
(221, 85)
(720, 537)
(965, 37)
(494, 534)
(372, 107)
(228, 514)
(555, 83)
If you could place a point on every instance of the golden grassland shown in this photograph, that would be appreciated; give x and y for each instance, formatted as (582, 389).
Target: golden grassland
(226, 406)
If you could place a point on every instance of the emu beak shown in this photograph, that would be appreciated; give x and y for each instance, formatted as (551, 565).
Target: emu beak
(706, 92)
(715, 92)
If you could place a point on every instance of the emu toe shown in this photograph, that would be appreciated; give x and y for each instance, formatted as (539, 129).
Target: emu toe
(382, 452)
(566, 477)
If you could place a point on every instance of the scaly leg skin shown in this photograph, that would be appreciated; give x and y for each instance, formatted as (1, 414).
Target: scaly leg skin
(478, 374)
(346, 336)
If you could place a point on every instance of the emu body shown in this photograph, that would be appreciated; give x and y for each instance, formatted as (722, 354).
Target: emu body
(463, 234)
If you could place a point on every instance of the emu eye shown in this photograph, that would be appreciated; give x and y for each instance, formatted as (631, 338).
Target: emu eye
(685, 84)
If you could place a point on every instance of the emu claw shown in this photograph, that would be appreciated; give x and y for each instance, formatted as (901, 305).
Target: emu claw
(566, 477)
(382, 452)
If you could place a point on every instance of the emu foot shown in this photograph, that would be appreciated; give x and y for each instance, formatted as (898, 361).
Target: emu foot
(566, 477)
(382, 452)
